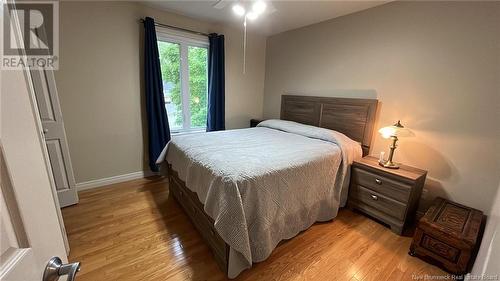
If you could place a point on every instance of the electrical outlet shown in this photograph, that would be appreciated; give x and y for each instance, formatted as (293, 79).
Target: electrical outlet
(425, 193)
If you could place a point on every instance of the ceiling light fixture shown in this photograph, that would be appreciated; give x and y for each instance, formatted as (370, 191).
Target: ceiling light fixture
(258, 8)
(239, 10)
(252, 15)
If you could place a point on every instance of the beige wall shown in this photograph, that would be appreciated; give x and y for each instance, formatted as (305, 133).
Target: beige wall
(486, 262)
(434, 65)
(100, 83)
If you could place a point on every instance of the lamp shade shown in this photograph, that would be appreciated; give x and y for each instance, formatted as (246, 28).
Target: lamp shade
(396, 130)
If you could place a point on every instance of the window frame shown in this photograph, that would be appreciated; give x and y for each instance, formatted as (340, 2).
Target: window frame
(185, 40)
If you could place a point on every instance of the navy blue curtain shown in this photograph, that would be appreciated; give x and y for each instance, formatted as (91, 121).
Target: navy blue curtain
(158, 129)
(216, 83)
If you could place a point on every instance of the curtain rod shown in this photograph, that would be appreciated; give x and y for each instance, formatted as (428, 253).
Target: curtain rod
(178, 28)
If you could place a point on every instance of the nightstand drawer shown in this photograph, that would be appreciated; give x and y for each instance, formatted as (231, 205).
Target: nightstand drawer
(393, 189)
(378, 201)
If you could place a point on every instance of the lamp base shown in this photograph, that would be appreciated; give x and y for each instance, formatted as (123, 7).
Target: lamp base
(388, 164)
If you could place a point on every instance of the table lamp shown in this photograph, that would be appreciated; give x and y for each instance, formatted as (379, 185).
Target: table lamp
(393, 132)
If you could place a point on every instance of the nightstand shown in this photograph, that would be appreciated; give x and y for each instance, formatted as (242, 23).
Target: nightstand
(389, 195)
(254, 122)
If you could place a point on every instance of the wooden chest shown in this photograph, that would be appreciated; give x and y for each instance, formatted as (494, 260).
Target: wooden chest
(447, 235)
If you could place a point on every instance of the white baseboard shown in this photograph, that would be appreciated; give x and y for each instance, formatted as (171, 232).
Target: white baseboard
(112, 180)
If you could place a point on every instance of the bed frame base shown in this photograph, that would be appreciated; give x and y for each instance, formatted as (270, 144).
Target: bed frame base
(204, 224)
(353, 117)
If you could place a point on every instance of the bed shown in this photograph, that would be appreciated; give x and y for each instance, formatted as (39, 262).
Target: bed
(246, 190)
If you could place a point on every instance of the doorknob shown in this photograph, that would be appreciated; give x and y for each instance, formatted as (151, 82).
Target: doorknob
(56, 268)
(45, 131)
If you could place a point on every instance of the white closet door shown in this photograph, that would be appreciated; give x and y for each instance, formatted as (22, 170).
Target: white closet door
(55, 137)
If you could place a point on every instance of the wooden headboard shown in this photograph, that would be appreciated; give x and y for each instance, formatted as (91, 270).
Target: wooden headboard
(352, 117)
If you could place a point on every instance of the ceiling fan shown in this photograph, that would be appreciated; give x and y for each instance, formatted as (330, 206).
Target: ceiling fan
(221, 4)
(250, 10)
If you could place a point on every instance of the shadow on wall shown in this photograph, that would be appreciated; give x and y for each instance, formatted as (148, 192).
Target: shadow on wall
(434, 189)
(421, 154)
(144, 116)
(337, 93)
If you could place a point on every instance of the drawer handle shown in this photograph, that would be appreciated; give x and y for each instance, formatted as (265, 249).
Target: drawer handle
(378, 181)
(374, 197)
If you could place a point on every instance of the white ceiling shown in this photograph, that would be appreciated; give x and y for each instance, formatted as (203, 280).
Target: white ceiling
(279, 17)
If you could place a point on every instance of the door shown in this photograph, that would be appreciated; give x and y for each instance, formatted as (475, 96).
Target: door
(49, 109)
(30, 229)
(55, 137)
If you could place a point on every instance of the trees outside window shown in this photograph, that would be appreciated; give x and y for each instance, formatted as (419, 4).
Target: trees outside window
(184, 69)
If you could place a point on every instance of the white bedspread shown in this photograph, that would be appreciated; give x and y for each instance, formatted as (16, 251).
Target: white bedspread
(262, 185)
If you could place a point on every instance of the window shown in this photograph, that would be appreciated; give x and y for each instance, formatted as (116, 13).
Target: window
(184, 70)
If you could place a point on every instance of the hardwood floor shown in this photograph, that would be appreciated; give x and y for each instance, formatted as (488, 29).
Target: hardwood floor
(136, 231)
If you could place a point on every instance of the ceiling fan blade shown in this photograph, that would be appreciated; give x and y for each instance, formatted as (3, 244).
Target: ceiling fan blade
(221, 4)
(270, 8)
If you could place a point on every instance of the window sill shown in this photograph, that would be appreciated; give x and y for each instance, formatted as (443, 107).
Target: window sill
(180, 133)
